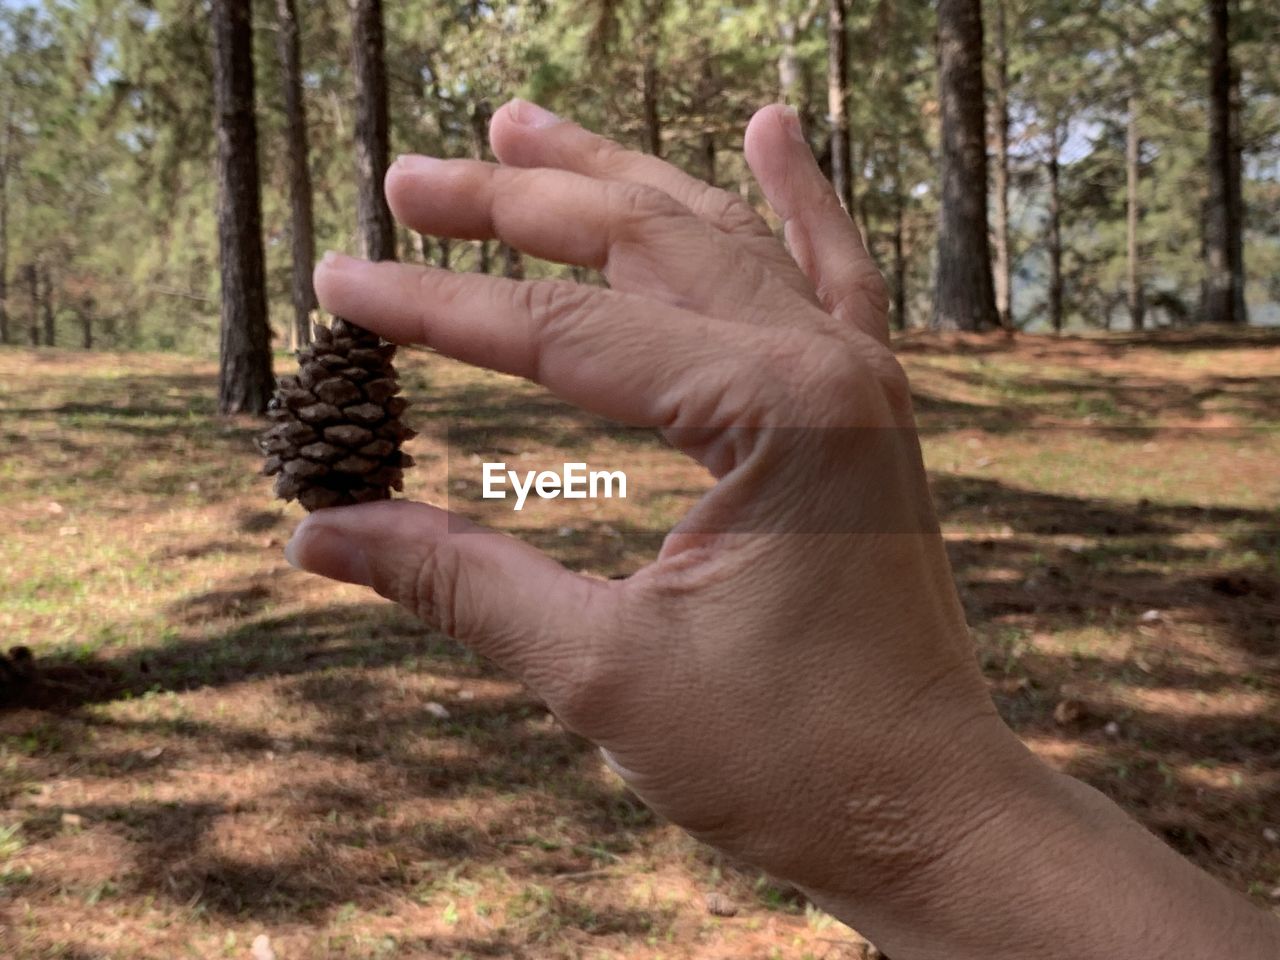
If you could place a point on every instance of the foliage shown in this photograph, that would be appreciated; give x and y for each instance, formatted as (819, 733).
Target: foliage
(111, 193)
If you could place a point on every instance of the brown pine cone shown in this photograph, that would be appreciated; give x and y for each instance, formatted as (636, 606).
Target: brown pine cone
(336, 431)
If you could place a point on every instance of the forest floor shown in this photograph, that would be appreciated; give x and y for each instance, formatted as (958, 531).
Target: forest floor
(221, 747)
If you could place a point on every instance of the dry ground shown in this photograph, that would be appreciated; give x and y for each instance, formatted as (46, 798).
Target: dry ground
(221, 747)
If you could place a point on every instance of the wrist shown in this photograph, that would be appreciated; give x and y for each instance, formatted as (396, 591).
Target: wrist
(1039, 852)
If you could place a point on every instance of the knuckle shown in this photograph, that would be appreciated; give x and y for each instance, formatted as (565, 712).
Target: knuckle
(861, 382)
(554, 308)
(429, 585)
(551, 303)
(633, 204)
(860, 286)
(732, 213)
(604, 155)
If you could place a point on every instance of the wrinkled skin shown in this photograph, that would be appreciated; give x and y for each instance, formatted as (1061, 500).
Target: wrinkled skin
(792, 680)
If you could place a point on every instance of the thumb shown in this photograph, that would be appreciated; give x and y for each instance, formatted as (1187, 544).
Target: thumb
(505, 599)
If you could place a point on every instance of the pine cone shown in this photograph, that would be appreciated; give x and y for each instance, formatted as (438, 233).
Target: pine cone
(336, 432)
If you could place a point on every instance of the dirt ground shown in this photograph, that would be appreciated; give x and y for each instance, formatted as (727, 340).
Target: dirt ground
(218, 747)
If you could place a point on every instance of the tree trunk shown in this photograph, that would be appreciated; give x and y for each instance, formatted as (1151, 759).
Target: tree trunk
(512, 263)
(301, 224)
(1235, 182)
(377, 230)
(1223, 275)
(1003, 255)
(1055, 229)
(899, 264)
(33, 285)
(245, 382)
(649, 94)
(837, 98)
(706, 109)
(50, 330)
(480, 114)
(6, 132)
(446, 251)
(1132, 158)
(86, 323)
(964, 297)
(650, 79)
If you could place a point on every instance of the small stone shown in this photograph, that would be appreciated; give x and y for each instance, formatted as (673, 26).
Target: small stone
(72, 820)
(261, 948)
(1112, 729)
(718, 905)
(437, 710)
(1068, 711)
(1271, 834)
(1152, 616)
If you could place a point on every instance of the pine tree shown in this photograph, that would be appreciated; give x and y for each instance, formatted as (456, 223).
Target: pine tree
(964, 297)
(1224, 256)
(301, 223)
(244, 376)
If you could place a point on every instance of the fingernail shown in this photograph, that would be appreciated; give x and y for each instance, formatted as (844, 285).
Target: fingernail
(417, 163)
(332, 258)
(319, 548)
(791, 123)
(531, 115)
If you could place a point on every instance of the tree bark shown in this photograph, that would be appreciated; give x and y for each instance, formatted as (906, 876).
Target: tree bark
(373, 138)
(86, 323)
(1235, 182)
(245, 382)
(6, 145)
(1003, 277)
(446, 253)
(837, 98)
(964, 297)
(33, 286)
(1224, 281)
(301, 222)
(1055, 228)
(1135, 295)
(898, 241)
(706, 109)
(650, 77)
(649, 94)
(512, 263)
(480, 114)
(46, 303)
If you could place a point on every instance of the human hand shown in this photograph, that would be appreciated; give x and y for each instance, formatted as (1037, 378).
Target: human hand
(792, 679)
